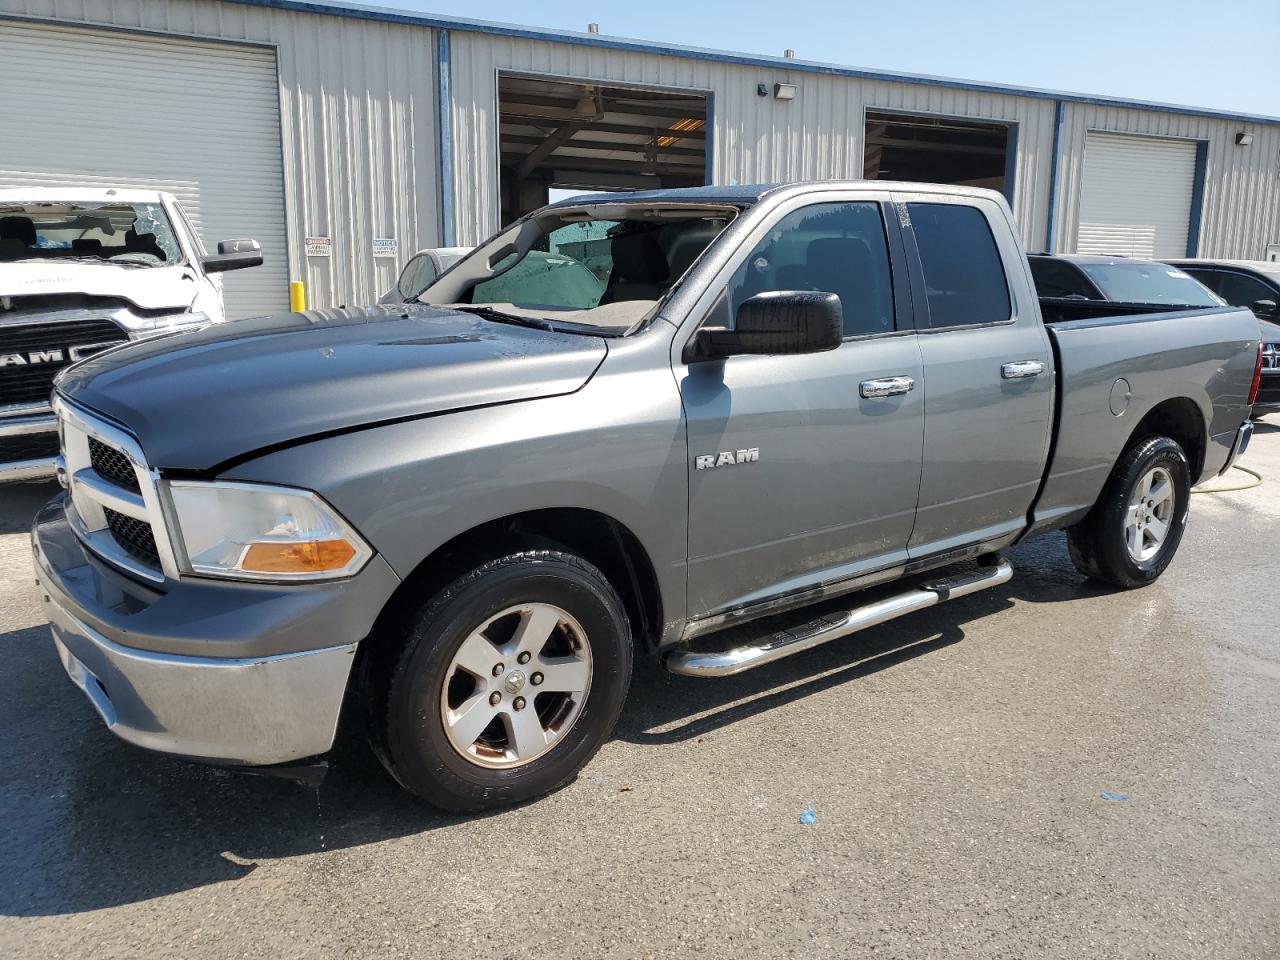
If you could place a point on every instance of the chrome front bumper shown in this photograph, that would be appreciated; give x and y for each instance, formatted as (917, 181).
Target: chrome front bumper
(20, 424)
(261, 711)
(233, 673)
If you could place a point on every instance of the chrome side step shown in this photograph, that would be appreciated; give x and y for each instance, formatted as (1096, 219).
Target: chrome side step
(725, 663)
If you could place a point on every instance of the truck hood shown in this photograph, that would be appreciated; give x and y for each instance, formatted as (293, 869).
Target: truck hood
(148, 288)
(197, 399)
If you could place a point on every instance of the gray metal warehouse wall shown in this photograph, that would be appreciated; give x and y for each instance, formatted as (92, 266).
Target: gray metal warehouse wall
(1241, 212)
(755, 139)
(357, 107)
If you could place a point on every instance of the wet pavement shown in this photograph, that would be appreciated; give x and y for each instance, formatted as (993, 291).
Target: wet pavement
(955, 763)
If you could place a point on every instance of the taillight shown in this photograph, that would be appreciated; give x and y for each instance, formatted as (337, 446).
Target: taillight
(1257, 377)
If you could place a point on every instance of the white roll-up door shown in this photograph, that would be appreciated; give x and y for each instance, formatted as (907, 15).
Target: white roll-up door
(199, 120)
(1135, 199)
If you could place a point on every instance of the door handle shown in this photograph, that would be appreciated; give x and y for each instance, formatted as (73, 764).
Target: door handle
(885, 387)
(1022, 368)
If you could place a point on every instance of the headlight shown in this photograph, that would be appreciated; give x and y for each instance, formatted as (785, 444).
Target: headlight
(249, 531)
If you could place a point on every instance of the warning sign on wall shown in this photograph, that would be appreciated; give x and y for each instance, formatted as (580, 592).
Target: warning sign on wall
(319, 246)
(385, 246)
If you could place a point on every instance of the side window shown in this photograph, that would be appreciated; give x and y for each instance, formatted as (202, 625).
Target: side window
(1241, 290)
(837, 248)
(417, 275)
(963, 276)
(1054, 278)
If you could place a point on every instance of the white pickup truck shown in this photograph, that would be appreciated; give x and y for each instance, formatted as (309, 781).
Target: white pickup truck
(82, 270)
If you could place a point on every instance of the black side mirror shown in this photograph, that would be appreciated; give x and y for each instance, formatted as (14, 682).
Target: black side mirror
(781, 322)
(234, 255)
(1266, 308)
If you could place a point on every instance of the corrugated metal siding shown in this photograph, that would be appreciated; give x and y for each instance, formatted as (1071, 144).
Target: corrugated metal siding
(357, 105)
(1241, 212)
(819, 135)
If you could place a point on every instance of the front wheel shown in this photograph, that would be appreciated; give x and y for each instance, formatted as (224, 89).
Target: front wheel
(1133, 531)
(507, 683)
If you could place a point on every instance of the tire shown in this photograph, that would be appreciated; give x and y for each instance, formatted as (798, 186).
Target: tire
(428, 703)
(1103, 545)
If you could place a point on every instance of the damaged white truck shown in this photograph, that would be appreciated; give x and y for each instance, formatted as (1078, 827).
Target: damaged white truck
(82, 270)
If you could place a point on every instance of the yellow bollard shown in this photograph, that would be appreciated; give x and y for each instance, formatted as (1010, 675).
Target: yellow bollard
(297, 296)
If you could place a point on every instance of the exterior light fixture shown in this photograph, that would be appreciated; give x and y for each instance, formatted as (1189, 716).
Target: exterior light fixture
(784, 91)
(1244, 139)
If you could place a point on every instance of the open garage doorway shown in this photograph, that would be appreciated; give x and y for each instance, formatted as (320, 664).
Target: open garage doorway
(972, 153)
(578, 136)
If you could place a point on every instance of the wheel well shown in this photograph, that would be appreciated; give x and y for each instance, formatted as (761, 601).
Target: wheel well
(1178, 419)
(593, 536)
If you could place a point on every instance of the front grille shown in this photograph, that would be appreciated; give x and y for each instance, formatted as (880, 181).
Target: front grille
(1271, 356)
(112, 465)
(30, 446)
(111, 499)
(1269, 391)
(134, 536)
(33, 353)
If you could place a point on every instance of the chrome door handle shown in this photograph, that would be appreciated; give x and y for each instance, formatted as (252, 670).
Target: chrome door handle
(885, 387)
(1022, 368)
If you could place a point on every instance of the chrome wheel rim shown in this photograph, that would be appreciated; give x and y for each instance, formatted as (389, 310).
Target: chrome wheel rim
(1150, 514)
(516, 685)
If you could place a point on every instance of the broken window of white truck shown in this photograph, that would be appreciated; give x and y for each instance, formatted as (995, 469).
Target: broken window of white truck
(125, 234)
(590, 272)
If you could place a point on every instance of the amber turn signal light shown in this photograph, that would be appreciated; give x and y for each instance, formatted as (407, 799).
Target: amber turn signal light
(314, 557)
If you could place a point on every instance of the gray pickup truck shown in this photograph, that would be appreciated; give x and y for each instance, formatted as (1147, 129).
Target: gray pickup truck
(783, 415)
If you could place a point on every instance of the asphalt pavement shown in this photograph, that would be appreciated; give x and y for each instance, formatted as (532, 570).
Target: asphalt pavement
(1047, 769)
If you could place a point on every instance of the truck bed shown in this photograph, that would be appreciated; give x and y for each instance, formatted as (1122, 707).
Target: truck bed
(1114, 368)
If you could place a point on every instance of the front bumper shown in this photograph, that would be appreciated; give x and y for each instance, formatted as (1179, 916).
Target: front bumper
(269, 710)
(117, 640)
(26, 430)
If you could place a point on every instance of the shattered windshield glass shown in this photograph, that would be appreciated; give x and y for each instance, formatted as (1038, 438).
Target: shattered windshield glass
(137, 234)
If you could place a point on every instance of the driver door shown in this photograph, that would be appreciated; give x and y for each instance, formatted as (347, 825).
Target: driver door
(803, 470)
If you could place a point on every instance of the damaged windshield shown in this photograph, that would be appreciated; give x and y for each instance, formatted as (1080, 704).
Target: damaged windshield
(136, 234)
(597, 269)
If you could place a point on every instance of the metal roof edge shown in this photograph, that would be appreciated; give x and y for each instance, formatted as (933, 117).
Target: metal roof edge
(409, 17)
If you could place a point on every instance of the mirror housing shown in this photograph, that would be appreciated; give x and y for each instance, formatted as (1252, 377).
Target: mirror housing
(776, 323)
(233, 255)
(1264, 307)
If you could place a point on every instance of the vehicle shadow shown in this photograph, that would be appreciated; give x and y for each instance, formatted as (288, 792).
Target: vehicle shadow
(88, 822)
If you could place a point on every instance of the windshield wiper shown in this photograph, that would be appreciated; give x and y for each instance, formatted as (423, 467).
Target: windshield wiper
(498, 316)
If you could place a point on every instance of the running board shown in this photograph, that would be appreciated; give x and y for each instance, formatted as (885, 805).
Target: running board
(725, 663)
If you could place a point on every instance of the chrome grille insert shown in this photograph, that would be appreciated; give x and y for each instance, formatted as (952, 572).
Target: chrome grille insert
(115, 507)
(1271, 356)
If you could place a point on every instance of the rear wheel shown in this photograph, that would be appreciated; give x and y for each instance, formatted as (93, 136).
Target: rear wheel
(1130, 536)
(507, 682)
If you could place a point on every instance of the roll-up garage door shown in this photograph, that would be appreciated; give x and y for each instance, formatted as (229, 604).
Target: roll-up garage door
(1135, 199)
(199, 120)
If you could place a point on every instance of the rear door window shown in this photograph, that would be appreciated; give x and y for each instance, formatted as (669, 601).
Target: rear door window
(963, 276)
(835, 248)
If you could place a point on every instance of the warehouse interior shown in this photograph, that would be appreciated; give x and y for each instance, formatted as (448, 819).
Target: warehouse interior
(561, 134)
(923, 149)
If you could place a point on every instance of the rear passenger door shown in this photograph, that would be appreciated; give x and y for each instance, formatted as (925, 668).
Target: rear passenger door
(988, 373)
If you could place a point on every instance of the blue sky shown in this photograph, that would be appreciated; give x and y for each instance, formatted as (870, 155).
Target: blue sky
(1224, 55)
